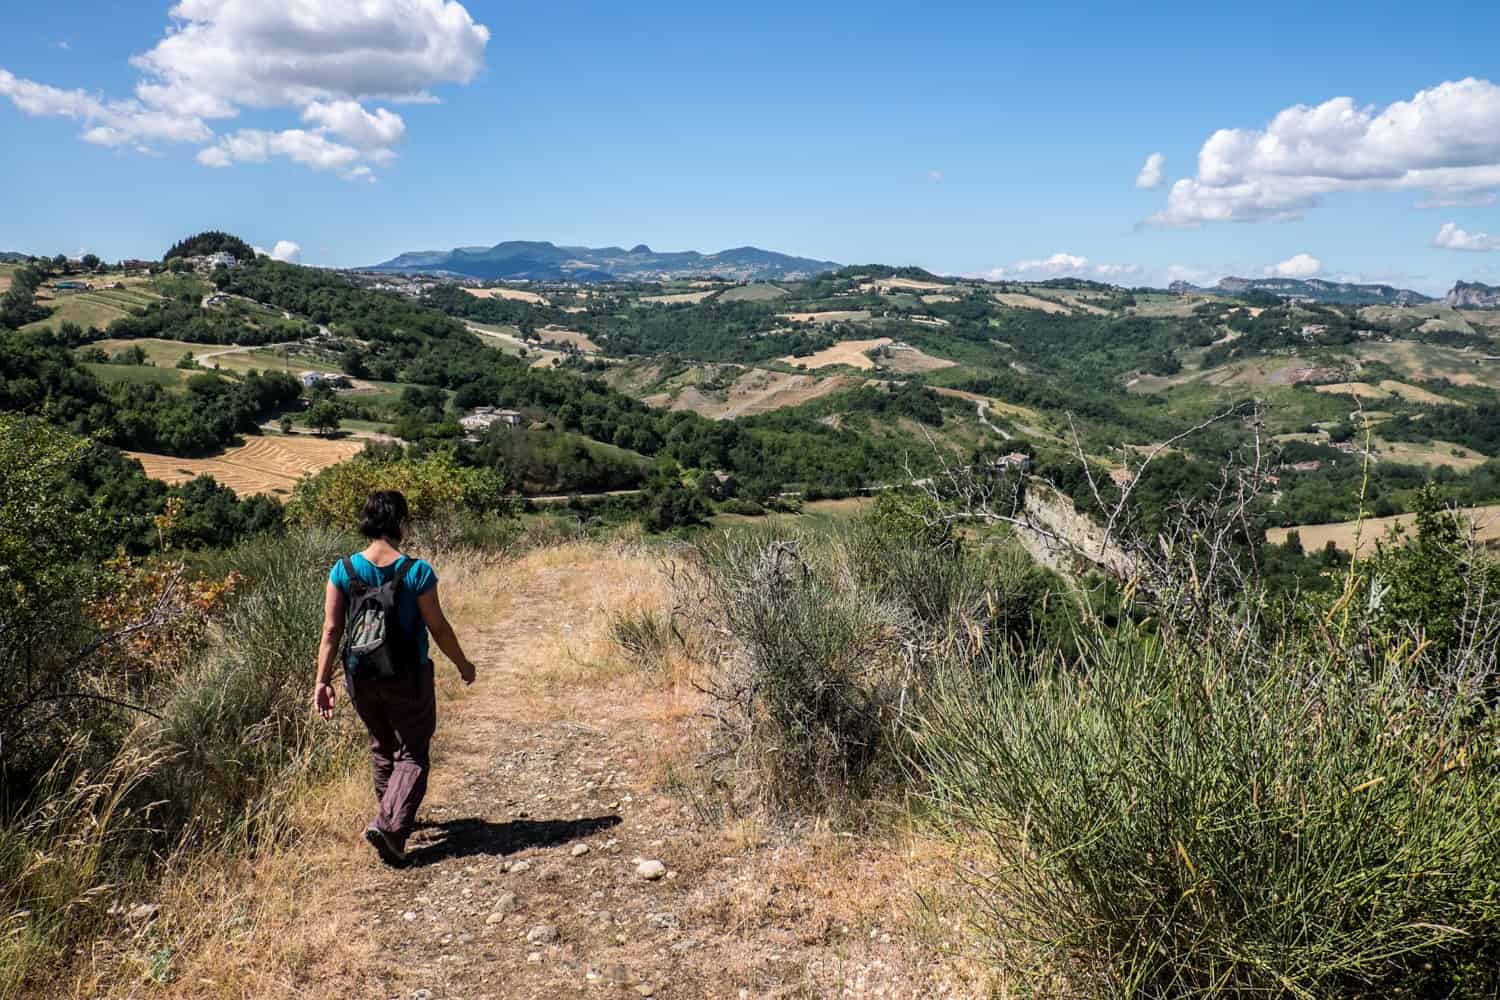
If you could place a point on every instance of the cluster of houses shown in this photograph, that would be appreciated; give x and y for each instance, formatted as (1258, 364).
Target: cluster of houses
(481, 418)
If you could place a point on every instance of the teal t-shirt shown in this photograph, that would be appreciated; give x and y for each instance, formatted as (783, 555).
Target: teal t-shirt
(419, 579)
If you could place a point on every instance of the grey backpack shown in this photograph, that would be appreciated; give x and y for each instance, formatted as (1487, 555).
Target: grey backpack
(374, 643)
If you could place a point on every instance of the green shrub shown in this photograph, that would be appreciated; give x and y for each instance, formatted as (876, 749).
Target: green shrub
(1227, 812)
(645, 636)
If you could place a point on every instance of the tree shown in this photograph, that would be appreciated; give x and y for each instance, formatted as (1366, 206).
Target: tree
(286, 425)
(324, 416)
(90, 262)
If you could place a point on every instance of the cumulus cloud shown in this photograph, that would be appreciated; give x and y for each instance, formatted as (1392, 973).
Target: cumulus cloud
(1062, 265)
(1302, 265)
(1445, 141)
(1150, 175)
(1450, 237)
(323, 59)
(284, 250)
(106, 123)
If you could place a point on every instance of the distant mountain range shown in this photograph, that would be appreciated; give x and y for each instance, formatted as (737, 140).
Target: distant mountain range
(7, 257)
(1314, 290)
(525, 260)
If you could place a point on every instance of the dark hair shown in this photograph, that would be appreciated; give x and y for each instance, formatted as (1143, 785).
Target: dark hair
(384, 512)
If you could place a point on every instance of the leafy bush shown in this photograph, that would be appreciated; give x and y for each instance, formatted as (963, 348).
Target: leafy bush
(433, 486)
(1255, 811)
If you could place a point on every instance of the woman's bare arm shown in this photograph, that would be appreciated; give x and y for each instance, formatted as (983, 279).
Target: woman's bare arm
(328, 650)
(442, 633)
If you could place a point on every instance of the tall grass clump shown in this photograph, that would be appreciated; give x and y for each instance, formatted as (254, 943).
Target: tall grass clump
(191, 736)
(1218, 799)
(236, 722)
(822, 647)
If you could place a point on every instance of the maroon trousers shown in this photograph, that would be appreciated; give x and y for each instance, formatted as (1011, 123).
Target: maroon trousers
(401, 715)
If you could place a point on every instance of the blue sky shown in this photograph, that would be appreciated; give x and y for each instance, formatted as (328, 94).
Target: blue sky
(966, 140)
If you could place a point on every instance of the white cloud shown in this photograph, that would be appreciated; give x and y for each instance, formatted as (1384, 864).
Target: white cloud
(323, 59)
(1056, 264)
(1450, 237)
(1150, 175)
(1062, 265)
(1444, 140)
(1475, 199)
(284, 250)
(108, 123)
(350, 121)
(1302, 265)
(936, 176)
(311, 149)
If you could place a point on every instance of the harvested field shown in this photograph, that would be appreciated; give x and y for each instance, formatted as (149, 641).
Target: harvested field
(850, 352)
(1486, 522)
(678, 298)
(1429, 361)
(837, 316)
(934, 299)
(572, 338)
(1019, 301)
(261, 465)
(513, 294)
(904, 285)
(1385, 390)
(759, 292)
(755, 391)
(1362, 390)
(1439, 453)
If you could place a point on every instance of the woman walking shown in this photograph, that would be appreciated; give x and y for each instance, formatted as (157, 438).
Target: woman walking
(378, 611)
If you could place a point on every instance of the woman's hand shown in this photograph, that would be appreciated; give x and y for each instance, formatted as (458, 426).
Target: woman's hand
(323, 697)
(466, 671)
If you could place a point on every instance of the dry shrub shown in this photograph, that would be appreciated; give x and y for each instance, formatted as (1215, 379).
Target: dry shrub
(810, 673)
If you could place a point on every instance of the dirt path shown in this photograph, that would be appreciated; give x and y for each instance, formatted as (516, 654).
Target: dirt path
(549, 787)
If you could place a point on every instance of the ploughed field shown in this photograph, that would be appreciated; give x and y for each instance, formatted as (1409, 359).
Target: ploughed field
(1485, 520)
(261, 465)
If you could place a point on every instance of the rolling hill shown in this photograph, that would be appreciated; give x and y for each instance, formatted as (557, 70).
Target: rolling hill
(540, 261)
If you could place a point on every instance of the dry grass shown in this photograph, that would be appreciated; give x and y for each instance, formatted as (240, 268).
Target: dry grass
(677, 298)
(856, 354)
(260, 465)
(835, 316)
(897, 285)
(1019, 301)
(513, 294)
(1441, 453)
(757, 390)
(572, 338)
(758, 292)
(1423, 362)
(814, 916)
(1385, 390)
(1486, 522)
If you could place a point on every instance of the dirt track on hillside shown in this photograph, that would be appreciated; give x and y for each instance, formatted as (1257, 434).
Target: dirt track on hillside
(550, 781)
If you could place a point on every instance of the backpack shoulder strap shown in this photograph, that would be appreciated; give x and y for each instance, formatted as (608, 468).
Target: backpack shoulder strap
(400, 568)
(354, 578)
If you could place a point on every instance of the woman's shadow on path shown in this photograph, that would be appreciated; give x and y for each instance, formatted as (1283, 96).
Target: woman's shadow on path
(465, 838)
